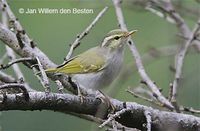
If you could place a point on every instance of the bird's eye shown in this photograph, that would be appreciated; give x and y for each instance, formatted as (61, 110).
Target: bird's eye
(116, 37)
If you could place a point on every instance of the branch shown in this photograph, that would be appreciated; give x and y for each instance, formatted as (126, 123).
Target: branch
(44, 79)
(190, 109)
(21, 34)
(148, 117)
(7, 78)
(112, 117)
(99, 121)
(168, 8)
(16, 61)
(138, 60)
(10, 52)
(9, 38)
(180, 59)
(135, 118)
(76, 43)
(136, 95)
(16, 85)
(160, 14)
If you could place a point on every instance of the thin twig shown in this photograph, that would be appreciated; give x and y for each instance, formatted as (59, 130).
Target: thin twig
(168, 8)
(7, 78)
(138, 60)
(112, 117)
(44, 81)
(84, 33)
(16, 68)
(143, 97)
(179, 60)
(160, 14)
(141, 90)
(99, 121)
(190, 110)
(16, 61)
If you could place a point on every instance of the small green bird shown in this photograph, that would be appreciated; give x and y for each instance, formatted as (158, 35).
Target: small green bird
(98, 66)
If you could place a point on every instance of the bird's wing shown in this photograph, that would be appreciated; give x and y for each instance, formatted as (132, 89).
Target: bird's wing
(87, 62)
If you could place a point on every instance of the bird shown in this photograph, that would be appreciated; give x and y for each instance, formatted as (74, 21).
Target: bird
(97, 67)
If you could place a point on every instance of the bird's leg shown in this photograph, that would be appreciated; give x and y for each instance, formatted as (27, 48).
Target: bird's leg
(105, 99)
(79, 92)
(77, 86)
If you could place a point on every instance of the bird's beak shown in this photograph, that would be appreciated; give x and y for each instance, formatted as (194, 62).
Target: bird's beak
(130, 33)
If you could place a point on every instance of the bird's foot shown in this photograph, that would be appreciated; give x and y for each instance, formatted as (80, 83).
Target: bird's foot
(77, 86)
(105, 100)
(80, 95)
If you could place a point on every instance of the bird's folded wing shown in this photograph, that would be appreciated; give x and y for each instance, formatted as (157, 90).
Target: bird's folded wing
(84, 63)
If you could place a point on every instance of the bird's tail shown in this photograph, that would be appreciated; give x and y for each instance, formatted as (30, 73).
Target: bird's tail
(50, 70)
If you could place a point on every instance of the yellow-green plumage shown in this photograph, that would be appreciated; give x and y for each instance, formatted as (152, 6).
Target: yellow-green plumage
(87, 62)
(99, 66)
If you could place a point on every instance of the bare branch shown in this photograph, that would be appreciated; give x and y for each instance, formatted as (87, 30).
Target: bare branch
(44, 80)
(16, 85)
(168, 8)
(138, 60)
(10, 52)
(17, 26)
(16, 61)
(7, 78)
(9, 38)
(190, 109)
(112, 117)
(160, 14)
(99, 121)
(143, 97)
(179, 59)
(84, 33)
(134, 118)
(16, 68)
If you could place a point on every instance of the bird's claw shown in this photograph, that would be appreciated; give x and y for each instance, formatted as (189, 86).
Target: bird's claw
(105, 100)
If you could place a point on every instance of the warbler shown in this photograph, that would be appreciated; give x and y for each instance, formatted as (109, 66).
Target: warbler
(97, 67)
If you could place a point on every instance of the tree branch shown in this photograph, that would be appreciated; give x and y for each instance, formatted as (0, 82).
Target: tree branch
(7, 78)
(84, 33)
(15, 61)
(135, 118)
(179, 59)
(9, 38)
(138, 60)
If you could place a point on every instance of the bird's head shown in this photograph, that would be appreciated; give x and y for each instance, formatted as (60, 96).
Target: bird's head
(116, 38)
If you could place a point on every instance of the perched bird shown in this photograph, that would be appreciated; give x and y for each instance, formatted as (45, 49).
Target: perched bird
(97, 67)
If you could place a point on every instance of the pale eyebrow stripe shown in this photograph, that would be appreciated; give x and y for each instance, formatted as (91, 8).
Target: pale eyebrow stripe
(109, 38)
(106, 39)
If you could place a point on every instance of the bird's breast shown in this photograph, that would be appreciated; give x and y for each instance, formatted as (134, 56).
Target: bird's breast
(103, 78)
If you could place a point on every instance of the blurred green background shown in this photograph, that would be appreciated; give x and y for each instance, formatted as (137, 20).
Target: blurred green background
(54, 33)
